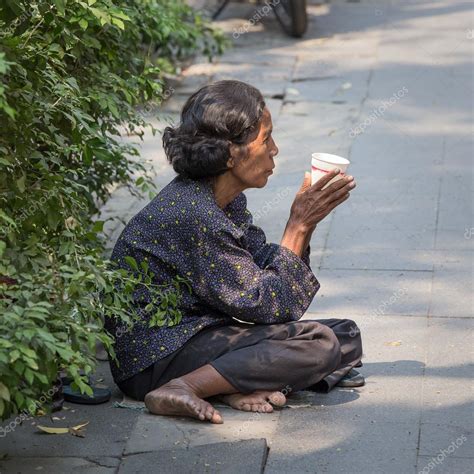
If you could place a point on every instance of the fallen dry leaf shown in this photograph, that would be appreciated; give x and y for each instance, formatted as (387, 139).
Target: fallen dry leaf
(53, 430)
(394, 343)
(74, 430)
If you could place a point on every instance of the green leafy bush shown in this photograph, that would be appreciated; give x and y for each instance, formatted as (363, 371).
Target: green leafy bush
(71, 74)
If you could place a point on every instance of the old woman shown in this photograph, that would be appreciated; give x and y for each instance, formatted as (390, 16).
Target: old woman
(240, 336)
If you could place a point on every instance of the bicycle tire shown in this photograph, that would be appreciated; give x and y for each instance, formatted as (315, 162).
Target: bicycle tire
(292, 16)
(213, 8)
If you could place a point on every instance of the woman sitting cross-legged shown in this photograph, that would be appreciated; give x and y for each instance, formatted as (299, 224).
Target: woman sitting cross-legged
(240, 336)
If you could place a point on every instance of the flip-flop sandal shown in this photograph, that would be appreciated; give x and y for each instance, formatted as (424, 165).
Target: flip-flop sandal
(352, 379)
(67, 380)
(100, 395)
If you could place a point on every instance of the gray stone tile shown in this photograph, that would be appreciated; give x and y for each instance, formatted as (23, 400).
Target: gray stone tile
(107, 432)
(448, 464)
(461, 238)
(335, 443)
(59, 465)
(370, 429)
(448, 375)
(340, 89)
(453, 293)
(345, 293)
(155, 433)
(456, 203)
(357, 234)
(377, 259)
(448, 408)
(448, 439)
(230, 458)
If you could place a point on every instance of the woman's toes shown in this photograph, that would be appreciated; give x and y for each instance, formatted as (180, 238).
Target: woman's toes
(267, 408)
(277, 398)
(246, 407)
(216, 418)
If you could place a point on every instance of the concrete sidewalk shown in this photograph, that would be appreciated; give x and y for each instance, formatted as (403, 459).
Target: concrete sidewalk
(389, 85)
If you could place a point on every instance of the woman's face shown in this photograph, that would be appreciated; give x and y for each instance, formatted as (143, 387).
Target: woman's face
(256, 166)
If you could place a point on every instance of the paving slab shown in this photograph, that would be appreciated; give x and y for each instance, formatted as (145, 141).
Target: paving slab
(444, 464)
(105, 435)
(347, 430)
(448, 405)
(155, 433)
(59, 465)
(345, 293)
(377, 259)
(247, 456)
(327, 443)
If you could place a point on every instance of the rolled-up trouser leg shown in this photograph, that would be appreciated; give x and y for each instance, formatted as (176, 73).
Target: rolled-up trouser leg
(348, 335)
(289, 356)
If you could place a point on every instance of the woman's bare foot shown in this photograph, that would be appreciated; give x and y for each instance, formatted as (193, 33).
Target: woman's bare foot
(259, 401)
(178, 398)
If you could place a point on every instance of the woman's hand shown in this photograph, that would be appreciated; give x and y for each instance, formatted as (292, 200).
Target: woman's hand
(312, 203)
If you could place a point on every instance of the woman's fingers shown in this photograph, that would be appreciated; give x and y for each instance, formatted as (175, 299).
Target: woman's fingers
(336, 203)
(320, 183)
(337, 185)
(349, 186)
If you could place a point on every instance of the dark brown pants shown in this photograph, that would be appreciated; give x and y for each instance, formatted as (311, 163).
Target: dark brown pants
(289, 357)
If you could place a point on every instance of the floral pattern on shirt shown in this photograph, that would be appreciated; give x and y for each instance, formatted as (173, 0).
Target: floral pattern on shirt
(234, 272)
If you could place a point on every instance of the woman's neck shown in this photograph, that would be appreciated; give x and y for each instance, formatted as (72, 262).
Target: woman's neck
(225, 188)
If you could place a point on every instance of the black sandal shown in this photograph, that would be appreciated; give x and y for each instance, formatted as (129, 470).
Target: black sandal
(99, 395)
(352, 379)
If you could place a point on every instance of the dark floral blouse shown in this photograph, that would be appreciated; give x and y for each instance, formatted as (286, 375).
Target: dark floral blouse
(233, 272)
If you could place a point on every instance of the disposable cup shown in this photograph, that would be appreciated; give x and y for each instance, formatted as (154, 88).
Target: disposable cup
(323, 163)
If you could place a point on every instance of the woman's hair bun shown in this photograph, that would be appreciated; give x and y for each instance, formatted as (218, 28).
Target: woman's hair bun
(212, 118)
(195, 157)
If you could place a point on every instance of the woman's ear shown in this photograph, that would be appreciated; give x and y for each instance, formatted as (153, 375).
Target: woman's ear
(235, 153)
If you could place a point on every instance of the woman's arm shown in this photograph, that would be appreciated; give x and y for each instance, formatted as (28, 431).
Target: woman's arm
(227, 278)
(296, 237)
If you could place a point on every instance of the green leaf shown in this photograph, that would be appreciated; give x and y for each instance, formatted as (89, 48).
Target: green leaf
(4, 392)
(20, 183)
(131, 262)
(29, 376)
(61, 6)
(118, 22)
(98, 226)
(83, 23)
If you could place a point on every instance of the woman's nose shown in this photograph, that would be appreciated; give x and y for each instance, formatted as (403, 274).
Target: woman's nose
(275, 150)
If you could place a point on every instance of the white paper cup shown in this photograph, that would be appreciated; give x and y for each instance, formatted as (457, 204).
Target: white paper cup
(323, 163)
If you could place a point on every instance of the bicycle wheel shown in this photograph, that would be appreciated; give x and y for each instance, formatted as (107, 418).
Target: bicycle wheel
(210, 8)
(292, 16)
